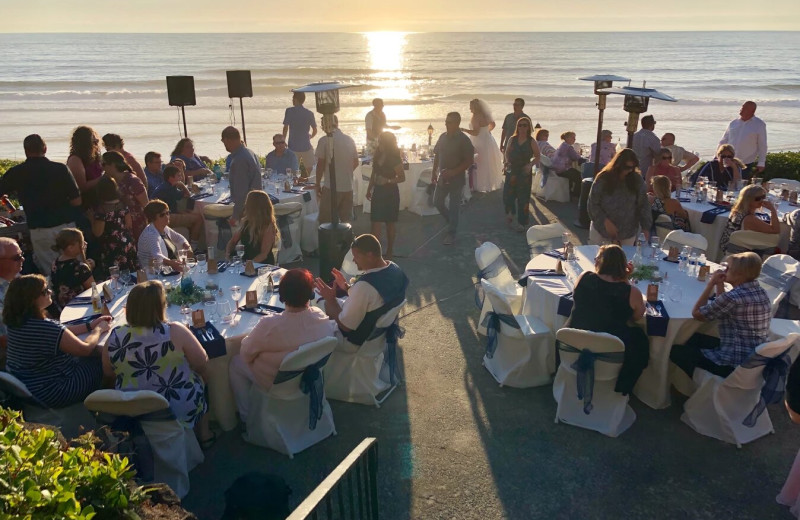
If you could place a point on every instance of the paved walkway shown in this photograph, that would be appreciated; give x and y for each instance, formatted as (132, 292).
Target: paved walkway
(454, 445)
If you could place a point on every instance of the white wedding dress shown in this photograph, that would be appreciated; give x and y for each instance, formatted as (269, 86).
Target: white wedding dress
(489, 161)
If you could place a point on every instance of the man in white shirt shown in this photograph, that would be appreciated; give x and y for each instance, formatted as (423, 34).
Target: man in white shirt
(646, 144)
(748, 136)
(346, 160)
(680, 157)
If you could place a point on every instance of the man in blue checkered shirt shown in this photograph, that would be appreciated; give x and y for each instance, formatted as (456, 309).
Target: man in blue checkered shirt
(743, 314)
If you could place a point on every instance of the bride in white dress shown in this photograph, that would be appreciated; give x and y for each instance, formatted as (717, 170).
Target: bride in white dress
(489, 159)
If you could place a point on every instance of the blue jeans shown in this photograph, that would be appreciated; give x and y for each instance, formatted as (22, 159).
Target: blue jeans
(454, 188)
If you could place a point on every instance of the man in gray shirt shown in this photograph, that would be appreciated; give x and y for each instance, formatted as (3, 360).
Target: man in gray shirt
(646, 144)
(345, 157)
(454, 154)
(299, 124)
(245, 170)
(510, 122)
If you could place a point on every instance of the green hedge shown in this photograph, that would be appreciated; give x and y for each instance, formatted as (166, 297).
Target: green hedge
(783, 165)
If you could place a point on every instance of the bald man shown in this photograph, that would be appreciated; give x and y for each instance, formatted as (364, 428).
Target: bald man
(748, 136)
(11, 260)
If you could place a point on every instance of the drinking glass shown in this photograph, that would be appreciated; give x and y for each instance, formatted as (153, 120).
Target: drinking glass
(224, 310)
(565, 240)
(191, 263)
(186, 311)
(113, 274)
(263, 272)
(236, 295)
(211, 309)
(157, 265)
(125, 276)
(269, 173)
(654, 244)
(288, 173)
(201, 261)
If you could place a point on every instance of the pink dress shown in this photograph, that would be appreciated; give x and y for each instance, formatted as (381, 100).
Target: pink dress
(790, 493)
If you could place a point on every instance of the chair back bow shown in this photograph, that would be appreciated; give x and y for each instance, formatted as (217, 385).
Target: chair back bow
(774, 374)
(492, 322)
(393, 333)
(312, 383)
(490, 271)
(584, 368)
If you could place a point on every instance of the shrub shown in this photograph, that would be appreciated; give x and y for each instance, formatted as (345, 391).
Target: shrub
(783, 165)
(40, 479)
(5, 164)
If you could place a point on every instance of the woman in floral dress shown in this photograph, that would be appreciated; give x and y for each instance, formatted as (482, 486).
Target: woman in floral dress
(112, 226)
(133, 192)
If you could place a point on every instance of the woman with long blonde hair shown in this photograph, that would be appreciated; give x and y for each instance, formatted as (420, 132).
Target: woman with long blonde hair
(743, 215)
(259, 231)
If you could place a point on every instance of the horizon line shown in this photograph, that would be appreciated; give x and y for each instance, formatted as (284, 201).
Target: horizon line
(413, 32)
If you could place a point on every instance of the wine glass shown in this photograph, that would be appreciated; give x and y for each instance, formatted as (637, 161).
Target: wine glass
(113, 274)
(211, 309)
(565, 236)
(288, 173)
(201, 261)
(239, 255)
(236, 295)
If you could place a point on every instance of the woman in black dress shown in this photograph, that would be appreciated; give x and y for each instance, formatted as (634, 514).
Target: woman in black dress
(606, 302)
(387, 173)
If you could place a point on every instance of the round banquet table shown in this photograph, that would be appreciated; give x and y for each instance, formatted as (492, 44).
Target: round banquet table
(221, 402)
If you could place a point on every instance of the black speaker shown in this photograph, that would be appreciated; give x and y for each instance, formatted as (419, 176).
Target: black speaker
(180, 90)
(239, 84)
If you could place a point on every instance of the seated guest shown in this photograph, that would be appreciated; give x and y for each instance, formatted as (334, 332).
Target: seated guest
(606, 302)
(607, 149)
(56, 366)
(195, 164)
(281, 157)
(114, 143)
(11, 260)
(743, 215)
(724, 169)
(790, 493)
(131, 190)
(743, 315)
(381, 288)
(793, 221)
(175, 361)
(258, 232)
(680, 157)
(662, 203)
(154, 171)
(562, 163)
(158, 240)
(277, 335)
(545, 148)
(664, 167)
(70, 275)
(172, 191)
(113, 228)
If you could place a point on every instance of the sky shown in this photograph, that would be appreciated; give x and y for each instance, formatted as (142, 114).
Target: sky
(147, 16)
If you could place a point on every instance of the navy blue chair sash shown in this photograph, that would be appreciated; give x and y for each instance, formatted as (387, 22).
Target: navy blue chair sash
(393, 333)
(565, 304)
(284, 224)
(584, 367)
(775, 372)
(492, 323)
(490, 271)
(312, 384)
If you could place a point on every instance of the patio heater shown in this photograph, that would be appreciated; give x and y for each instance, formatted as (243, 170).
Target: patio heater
(430, 136)
(636, 101)
(601, 81)
(334, 237)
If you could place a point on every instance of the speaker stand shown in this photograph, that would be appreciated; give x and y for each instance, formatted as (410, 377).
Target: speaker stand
(244, 131)
(183, 116)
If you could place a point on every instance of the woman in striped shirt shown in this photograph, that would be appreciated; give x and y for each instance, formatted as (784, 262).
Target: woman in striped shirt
(56, 366)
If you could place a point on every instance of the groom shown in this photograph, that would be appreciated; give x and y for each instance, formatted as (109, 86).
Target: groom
(454, 154)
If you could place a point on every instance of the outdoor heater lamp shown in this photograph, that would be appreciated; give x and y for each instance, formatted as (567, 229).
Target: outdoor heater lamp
(601, 81)
(334, 237)
(430, 135)
(636, 101)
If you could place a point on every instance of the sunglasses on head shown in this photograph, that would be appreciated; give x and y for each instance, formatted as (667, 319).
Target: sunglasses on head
(760, 198)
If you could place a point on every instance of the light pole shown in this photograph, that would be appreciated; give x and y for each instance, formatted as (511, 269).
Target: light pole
(430, 136)
(334, 237)
(636, 101)
(601, 81)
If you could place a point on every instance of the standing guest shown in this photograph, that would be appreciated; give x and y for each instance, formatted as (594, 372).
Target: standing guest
(743, 215)
(49, 194)
(375, 121)
(646, 144)
(662, 203)
(545, 148)
(11, 259)
(154, 171)
(488, 159)
(114, 143)
(790, 492)
(112, 226)
(562, 163)
(510, 122)
(56, 366)
(174, 361)
(245, 170)
(664, 167)
(298, 121)
(522, 153)
(454, 153)
(725, 169)
(346, 157)
(605, 301)
(743, 315)
(70, 274)
(131, 189)
(158, 240)
(258, 232)
(195, 164)
(748, 136)
(680, 157)
(281, 158)
(387, 173)
(172, 191)
(618, 203)
(277, 335)
(84, 161)
(607, 149)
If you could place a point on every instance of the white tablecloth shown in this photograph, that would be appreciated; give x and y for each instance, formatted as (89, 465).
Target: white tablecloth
(408, 188)
(220, 396)
(542, 297)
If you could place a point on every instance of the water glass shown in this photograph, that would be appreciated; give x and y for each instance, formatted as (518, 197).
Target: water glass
(263, 272)
(191, 263)
(113, 274)
(565, 237)
(224, 310)
(186, 312)
(211, 309)
(240, 262)
(654, 244)
(157, 266)
(125, 276)
(201, 261)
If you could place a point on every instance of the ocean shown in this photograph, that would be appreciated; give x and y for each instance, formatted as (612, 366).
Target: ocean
(50, 83)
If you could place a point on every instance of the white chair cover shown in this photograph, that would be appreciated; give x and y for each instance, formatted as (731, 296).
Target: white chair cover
(683, 238)
(279, 418)
(489, 257)
(544, 237)
(175, 448)
(743, 240)
(290, 250)
(71, 420)
(778, 276)
(524, 356)
(610, 413)
(556, 188)
(718, 407)
(309, 237)
(358, 374)
(663, 226)
(421, 202)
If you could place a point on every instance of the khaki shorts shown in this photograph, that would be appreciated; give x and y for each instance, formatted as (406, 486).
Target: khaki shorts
(344, 206)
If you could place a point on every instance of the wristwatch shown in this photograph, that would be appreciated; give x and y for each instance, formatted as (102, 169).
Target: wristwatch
(88, 326)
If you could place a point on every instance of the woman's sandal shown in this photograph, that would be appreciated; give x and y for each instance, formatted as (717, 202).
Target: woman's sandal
(206, 444)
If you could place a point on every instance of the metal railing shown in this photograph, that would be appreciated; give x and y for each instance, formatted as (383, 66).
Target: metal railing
(349, 492)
